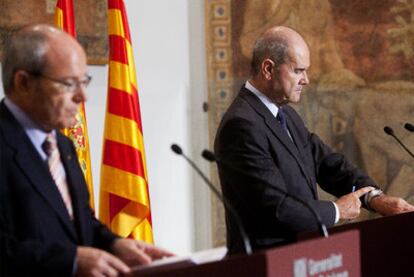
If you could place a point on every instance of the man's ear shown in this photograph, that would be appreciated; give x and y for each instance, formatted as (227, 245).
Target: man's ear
(22, 81)
(267, 68)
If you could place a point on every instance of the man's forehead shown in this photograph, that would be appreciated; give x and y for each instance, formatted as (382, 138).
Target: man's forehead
(299, 56)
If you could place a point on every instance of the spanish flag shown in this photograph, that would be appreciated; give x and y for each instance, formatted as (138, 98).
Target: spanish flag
(124, 197)
(65, 20)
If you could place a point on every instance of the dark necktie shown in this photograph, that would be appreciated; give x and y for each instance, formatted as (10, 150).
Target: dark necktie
(281, 117)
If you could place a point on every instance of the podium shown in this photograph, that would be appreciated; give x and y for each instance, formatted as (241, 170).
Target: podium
(337, 255)
(387, 244)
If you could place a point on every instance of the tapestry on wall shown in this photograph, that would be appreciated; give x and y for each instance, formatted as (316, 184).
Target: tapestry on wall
(90, 17)
(362, 77)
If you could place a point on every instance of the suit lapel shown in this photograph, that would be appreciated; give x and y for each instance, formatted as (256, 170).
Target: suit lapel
(278, 131)
(270, 121)
(299, 142)
(32, 166)
(74, 177)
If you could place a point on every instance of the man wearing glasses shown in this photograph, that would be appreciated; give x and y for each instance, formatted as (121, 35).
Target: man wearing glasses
(46, 224)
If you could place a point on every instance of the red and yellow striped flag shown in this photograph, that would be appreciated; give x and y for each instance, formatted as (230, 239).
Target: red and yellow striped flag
(64, 19)
(124, 202)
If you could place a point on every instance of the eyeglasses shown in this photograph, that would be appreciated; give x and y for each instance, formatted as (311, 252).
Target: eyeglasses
(70, 85)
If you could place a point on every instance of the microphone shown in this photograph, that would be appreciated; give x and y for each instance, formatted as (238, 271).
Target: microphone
(246, 241)
(209, 156)
(409, 127)
(389, 131)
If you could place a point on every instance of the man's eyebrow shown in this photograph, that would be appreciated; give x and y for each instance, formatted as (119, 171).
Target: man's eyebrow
(302, 68)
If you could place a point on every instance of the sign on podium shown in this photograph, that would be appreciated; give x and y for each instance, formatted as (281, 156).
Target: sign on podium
(387, 244)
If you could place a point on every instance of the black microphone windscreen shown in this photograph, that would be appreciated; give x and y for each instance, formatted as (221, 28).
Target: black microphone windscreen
(388, 130)
(409, 127)
(176, 149)
(208, 155)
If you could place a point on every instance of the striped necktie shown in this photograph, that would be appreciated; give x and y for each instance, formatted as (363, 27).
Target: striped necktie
(57, 170)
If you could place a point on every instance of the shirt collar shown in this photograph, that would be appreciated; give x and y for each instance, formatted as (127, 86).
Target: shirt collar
(273, 108)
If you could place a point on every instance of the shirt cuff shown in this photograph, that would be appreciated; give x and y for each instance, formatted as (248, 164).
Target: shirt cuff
(336, 212)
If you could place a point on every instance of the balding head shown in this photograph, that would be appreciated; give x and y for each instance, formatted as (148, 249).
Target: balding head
(26, 49)
(279, 65)
(45, 75)
(277, 43)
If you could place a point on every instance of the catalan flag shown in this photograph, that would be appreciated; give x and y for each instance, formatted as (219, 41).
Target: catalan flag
(65, 20)
(124, 202)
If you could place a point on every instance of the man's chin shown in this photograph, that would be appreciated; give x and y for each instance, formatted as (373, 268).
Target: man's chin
(68, 124)
(296, 100)
(71, 122)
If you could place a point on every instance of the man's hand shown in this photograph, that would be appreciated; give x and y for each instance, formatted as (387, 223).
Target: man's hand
(349, 205)
(389, 205)
(134, 252)
(96, 262)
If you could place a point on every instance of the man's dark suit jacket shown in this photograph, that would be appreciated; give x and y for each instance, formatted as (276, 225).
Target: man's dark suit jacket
(255, 154)
(37, 236)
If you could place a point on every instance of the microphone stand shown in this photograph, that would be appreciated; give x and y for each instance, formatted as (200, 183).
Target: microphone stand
(247, 246)
(389, 131)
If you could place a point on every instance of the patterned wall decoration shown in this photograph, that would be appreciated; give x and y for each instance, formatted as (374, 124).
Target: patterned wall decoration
(90, 18)
(362, 77)
(220, 86)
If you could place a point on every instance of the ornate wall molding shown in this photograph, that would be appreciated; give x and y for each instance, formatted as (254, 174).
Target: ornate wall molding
(220, 89)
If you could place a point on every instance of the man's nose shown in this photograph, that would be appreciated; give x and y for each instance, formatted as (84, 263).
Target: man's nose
(304, 80)
(80, 95)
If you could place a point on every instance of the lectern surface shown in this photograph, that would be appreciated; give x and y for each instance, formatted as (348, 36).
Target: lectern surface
(336, 256)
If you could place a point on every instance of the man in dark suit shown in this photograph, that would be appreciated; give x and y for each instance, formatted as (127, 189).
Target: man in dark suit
(263, 148)
(46, 224)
